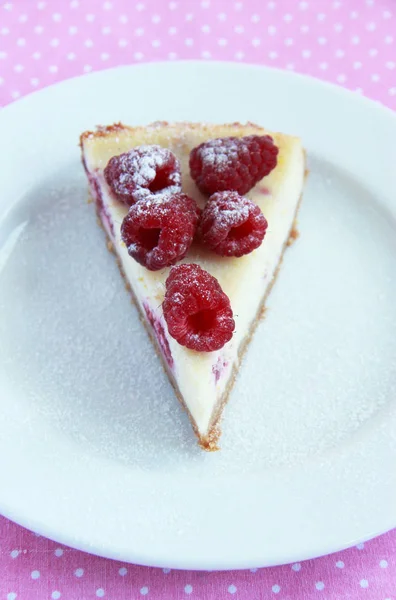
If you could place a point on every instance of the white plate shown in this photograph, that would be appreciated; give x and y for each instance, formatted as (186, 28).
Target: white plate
(94, 449)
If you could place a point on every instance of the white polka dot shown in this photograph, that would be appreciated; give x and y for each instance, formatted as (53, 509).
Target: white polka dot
(306, 53)
(232, 589)
(73, 30)
(35, 574)
(138, 55)
(339, 53)
(336, 4)
(390, 64)
(271, 5)
(79, 572)
(189, 42)
(122, 43)
(189, 17)
(319, 586)
(11, 596)
(321, 17)
(15, 94)
(21, 42)
(58, 551)
(156, 19)
(289, 42)
(341, 78)
(139, 31)
(57, 17)
(34, 81)
(355, 39)
(23, 18)
(386, 14)
(7, 6)
(303, 5)
(172, 56)
(156, 43)
(322, 40)
(255, 18)
(54, 42)
(123, 571)
(323, 66)
(354, 14)
(388, 39)
(338, 27)
(271, 29)
(105, 56)
(256, 42)
(357, 64)
(375, 77)
(100, 592)
(288, 18)
(383, 564)
(74, 4)
(41, 5)
(39, 29)
(296, 567)
(55, 595)
(206, 54)
(239, 29)
(371, 26)
(36, 55)
(166, 571)
(71, 56)
(205, 29)
(360, 546)
(1, 81)
(3, 55)
(205, 4)
(222, 42)
(304, 28)
(363, 583)
(123, 19)
(172, 5)
(88, 43)
(188, 589)
(340, 564)
(107, 5)
(90, 17)
(87, 68)
(238, 5)
(4, 31)
(14, 553)
(106, 30)
(140, 7)
(239, 55)
(144, 591)
(273, 54)
(172, 30)
(222, 17)
(276, 588)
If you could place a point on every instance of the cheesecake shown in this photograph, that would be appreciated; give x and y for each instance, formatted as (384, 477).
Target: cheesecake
(202, 376)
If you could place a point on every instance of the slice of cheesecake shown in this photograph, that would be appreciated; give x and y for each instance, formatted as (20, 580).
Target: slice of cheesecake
(202, 380)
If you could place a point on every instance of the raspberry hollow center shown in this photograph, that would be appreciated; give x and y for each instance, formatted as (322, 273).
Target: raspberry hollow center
(240, 232)
(149, 238)
(161, 180)
(202, 321)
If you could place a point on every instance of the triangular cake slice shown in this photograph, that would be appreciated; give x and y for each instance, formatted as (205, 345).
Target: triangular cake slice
(202, 380)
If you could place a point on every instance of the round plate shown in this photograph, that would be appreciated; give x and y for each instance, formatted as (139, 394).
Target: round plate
(95, 451)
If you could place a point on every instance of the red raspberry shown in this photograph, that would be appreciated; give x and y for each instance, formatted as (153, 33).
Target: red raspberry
(232, 163)
(232, 225)
(159, 230)
(141, 172)
(197, 311)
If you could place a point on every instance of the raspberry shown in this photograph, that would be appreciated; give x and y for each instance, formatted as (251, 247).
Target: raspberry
(159, 230)
(143, 171)
(232, 163)
(197, 311)
(231, 225)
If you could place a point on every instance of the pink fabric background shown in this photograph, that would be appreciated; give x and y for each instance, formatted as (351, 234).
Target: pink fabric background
(349, 42)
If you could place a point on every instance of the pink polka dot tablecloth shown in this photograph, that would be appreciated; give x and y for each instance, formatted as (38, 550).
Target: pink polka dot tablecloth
(348, 42)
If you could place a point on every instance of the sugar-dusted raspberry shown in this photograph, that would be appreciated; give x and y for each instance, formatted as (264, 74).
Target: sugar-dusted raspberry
(197, 311)
(232, 163)
(143, 171)
(231, 225)
(159, 230)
